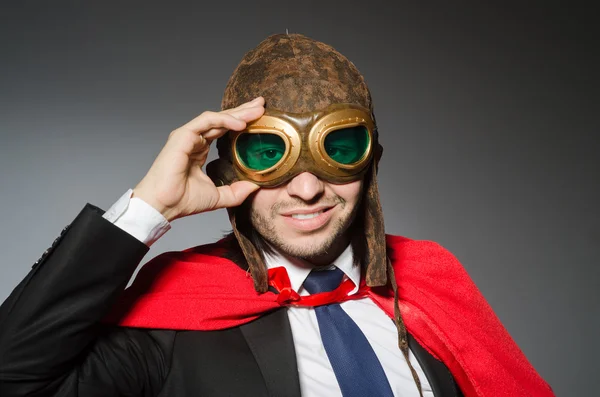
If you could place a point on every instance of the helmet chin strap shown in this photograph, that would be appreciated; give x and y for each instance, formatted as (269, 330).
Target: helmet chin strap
(376, 255)
(255, 261)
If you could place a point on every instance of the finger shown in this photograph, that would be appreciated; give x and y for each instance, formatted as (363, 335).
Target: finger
(249, 114)
(199, 157)
(201, 146)
(258, 101)
(209, 120)
(246, 115)
(235, 194)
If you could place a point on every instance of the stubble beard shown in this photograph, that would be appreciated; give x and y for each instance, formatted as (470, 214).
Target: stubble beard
(336, 241)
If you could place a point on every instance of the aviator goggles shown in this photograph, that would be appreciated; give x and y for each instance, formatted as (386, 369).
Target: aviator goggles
(335, 144)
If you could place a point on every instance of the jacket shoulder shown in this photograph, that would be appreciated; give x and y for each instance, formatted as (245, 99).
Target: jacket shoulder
(227, 248)
(402, 248)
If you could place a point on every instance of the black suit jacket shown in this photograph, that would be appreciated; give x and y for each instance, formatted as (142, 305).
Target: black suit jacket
(52, 342)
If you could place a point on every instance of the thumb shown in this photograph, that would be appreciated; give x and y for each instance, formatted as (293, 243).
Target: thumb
(235, 194)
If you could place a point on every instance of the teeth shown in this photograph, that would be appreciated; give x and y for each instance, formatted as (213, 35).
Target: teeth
(306, 216)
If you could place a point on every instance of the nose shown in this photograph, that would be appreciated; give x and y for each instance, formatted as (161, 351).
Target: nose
(305, 186)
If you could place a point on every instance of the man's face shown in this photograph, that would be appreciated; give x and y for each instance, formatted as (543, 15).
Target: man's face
(307, 217)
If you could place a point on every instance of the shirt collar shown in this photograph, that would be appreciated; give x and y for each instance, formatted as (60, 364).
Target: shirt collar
(299, 269)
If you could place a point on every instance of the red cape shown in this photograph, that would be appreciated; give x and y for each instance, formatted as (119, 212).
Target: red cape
(443, 310)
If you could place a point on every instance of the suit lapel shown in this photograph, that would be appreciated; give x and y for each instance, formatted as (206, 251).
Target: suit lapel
(440, 379)
(270, 340)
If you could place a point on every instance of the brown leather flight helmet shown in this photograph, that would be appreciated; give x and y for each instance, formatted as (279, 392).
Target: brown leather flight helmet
(297, 74)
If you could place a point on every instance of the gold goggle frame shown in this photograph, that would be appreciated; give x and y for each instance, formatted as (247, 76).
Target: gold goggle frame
(305, 144)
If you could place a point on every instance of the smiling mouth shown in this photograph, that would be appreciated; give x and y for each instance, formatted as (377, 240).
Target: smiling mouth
(307, 216)
(308, 220)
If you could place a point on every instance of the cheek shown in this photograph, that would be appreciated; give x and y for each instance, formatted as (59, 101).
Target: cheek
(350, 192)
(263, 201)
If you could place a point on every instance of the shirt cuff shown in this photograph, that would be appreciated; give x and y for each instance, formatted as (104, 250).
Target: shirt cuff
(137, 218)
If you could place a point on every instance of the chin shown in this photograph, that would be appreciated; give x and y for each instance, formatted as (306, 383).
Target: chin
(311, 247)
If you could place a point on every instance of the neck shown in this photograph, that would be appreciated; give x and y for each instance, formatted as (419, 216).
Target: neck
(298, 269)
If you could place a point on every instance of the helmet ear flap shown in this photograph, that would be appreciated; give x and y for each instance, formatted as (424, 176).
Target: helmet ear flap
(376, 255)
(255, 261)
(221, 172)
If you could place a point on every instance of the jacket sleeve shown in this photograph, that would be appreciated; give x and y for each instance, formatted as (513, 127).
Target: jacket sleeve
(52, 341)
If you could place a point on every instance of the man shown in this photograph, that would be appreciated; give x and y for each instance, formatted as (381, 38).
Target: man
(306, 297)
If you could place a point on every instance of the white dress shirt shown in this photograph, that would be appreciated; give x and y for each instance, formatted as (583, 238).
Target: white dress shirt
(316, 375)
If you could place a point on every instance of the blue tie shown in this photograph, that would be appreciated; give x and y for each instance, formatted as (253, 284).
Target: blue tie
(357, 369)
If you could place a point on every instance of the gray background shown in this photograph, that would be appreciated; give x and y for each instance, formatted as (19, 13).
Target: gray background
(487, 115)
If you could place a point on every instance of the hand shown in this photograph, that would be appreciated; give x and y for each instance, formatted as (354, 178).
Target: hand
(176, 186)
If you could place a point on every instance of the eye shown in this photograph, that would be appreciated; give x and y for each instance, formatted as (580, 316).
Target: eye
(272, 153)
(260, 151)
(334, 151)
(347, 145)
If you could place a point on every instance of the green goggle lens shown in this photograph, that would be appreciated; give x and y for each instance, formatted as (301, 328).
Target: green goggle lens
(260, 151)
(347, 145)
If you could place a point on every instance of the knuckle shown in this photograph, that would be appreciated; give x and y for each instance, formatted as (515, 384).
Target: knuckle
(173, 133)
(212, 119)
